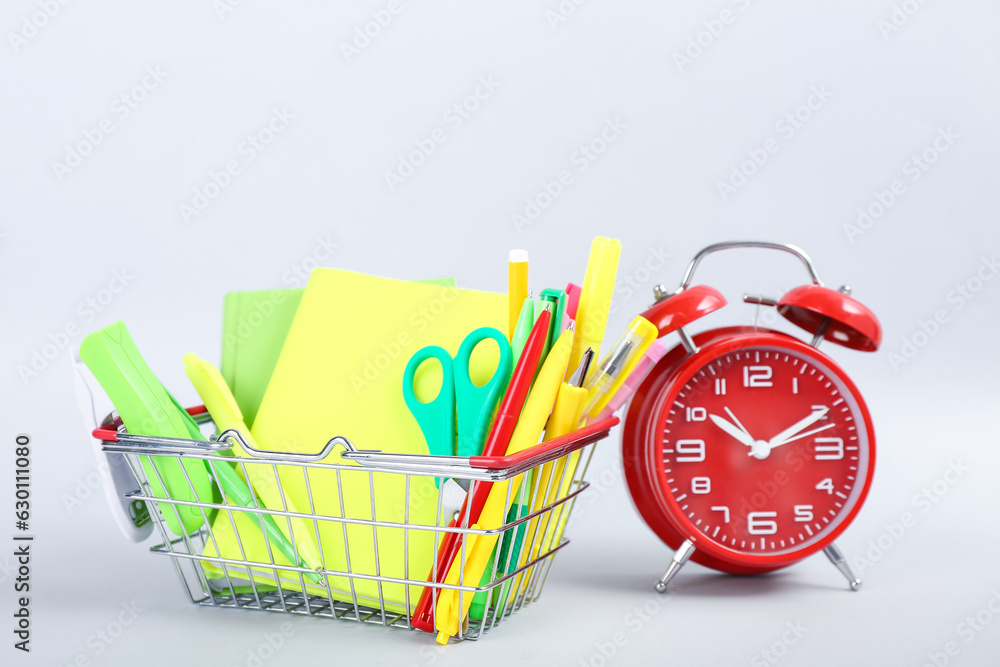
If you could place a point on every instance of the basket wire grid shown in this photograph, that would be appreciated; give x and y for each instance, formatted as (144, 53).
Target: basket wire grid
(248, 572)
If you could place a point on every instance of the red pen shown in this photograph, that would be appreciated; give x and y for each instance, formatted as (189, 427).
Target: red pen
(496, 445)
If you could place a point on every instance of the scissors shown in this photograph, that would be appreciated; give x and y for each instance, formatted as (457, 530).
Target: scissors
(474, 404)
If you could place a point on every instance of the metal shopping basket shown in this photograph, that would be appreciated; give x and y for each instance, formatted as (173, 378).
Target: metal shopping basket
(377, 553)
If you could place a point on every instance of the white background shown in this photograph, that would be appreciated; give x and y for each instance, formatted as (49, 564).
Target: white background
(686, 126)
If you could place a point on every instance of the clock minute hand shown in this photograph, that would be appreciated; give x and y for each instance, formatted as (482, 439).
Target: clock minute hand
(803, 435)
(798, 426)
(732, 430)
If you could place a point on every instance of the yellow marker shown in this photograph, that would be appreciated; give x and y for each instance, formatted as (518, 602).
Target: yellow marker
(554, 531)
(453, 606)
(595, 297)
(219, 401)
(517, 287)
(618, 364)
(569, 404)
(631, 347)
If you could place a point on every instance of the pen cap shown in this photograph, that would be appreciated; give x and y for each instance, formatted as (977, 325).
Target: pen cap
(572, 299)
(557, 298)
(618, 364)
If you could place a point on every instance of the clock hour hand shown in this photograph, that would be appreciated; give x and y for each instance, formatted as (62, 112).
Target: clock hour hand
(789, 432)
(732, 430)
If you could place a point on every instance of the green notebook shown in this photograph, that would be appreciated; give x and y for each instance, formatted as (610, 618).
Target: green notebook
(254, 327)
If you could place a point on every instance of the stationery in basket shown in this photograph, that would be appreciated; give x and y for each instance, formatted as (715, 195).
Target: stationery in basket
(386, 451)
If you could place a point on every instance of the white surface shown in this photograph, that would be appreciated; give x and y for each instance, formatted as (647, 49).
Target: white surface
(111, 231)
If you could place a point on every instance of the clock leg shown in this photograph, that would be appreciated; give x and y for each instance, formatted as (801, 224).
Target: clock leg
(836, 557)
(681, 556)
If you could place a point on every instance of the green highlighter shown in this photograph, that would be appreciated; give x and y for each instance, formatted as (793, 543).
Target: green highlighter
(147, 408)
(557, 298)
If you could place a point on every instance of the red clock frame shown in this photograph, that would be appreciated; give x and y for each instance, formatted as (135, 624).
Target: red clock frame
(644, 469)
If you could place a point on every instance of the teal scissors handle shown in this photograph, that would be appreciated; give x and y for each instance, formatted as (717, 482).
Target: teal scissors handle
(476, 404)
(436, 417)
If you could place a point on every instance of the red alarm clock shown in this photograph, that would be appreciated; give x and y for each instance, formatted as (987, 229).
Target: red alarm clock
(748, 449)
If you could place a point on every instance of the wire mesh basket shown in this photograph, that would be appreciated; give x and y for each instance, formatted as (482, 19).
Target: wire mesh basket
(358, 537)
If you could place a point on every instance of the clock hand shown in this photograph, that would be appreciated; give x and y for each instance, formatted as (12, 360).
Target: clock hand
(732, 430)
(735, 420)
(798, 426)
(801, 435)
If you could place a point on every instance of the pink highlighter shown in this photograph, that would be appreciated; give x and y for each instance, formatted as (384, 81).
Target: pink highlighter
(655, 352)
(572, 299)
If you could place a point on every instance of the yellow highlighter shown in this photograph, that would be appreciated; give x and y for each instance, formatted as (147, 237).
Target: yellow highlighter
(595, 297)
(565, 415)
(219, 401)
(453, 606)
(517, 287)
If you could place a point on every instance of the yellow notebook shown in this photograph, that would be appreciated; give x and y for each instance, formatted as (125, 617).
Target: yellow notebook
(340, 373)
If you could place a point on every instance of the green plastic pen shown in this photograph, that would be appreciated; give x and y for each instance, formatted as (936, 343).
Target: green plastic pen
(239, 492)
(525, 321)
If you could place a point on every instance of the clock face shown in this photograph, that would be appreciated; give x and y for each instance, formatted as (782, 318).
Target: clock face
(764, 449)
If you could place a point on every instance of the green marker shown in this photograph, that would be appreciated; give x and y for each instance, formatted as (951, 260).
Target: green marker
(147, 408)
